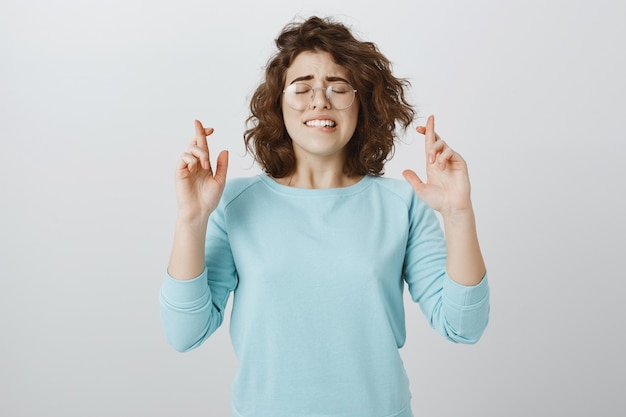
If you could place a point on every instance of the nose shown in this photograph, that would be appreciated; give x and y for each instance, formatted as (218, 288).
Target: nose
(319, 100)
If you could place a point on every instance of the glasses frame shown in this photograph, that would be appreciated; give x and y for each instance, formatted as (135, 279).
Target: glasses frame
(328, 91)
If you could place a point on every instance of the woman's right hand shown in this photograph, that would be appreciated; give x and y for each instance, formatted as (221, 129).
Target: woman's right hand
(198, 188)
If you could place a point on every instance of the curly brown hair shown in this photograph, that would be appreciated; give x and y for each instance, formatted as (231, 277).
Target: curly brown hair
(383, 104)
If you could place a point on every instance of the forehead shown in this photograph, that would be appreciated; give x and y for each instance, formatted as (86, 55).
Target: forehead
(318, 65)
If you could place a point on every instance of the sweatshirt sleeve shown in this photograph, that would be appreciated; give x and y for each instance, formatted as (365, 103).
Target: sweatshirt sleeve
(459, 313)
(191, 310)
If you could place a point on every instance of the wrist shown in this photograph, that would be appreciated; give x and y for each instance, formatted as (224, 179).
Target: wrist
(458, 215)
(191, 219)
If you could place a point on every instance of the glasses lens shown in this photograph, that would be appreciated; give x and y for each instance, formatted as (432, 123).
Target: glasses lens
(341, 95)
(299, 95)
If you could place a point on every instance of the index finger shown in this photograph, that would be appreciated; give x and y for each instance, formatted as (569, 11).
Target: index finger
(201, 134)
(431, 136)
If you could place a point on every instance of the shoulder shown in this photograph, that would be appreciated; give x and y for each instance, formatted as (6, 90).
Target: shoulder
(396, 190)
(238, 186)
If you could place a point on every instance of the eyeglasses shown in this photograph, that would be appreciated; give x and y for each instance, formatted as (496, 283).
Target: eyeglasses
(298, 96)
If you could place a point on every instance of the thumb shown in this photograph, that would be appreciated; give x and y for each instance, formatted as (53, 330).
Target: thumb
(222, 167)
(415, 181)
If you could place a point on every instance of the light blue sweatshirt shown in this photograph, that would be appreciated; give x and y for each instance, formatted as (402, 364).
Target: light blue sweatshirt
(318, 279)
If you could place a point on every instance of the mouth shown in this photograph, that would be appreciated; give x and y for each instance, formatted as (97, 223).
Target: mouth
(320, 123)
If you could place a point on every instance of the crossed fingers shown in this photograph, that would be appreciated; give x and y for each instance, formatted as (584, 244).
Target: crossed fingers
(437, 150)
(197, 153)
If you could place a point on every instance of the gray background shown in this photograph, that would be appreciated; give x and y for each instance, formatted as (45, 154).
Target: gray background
(97, 101)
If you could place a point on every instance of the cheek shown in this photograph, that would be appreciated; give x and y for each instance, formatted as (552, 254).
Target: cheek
(353, 120)
(291, 120)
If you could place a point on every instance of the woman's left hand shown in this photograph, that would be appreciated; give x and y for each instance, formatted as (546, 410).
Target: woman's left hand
(447, 186)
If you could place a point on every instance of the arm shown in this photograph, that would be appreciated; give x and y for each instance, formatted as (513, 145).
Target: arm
(447, 274)
(458, 312)
(191, 304)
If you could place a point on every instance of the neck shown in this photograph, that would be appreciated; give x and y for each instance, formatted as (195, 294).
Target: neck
(329, 177)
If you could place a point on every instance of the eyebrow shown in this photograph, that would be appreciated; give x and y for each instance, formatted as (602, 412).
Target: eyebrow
(310, 77)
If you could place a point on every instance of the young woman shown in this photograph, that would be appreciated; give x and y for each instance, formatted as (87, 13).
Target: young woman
(317, 250)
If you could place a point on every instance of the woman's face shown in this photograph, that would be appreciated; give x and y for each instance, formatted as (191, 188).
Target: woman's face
(319, 130)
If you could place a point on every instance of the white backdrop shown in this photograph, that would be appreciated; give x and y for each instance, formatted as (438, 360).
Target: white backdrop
(97, 101)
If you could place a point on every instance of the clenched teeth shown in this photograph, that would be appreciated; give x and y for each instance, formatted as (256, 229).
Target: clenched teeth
(320, 123)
